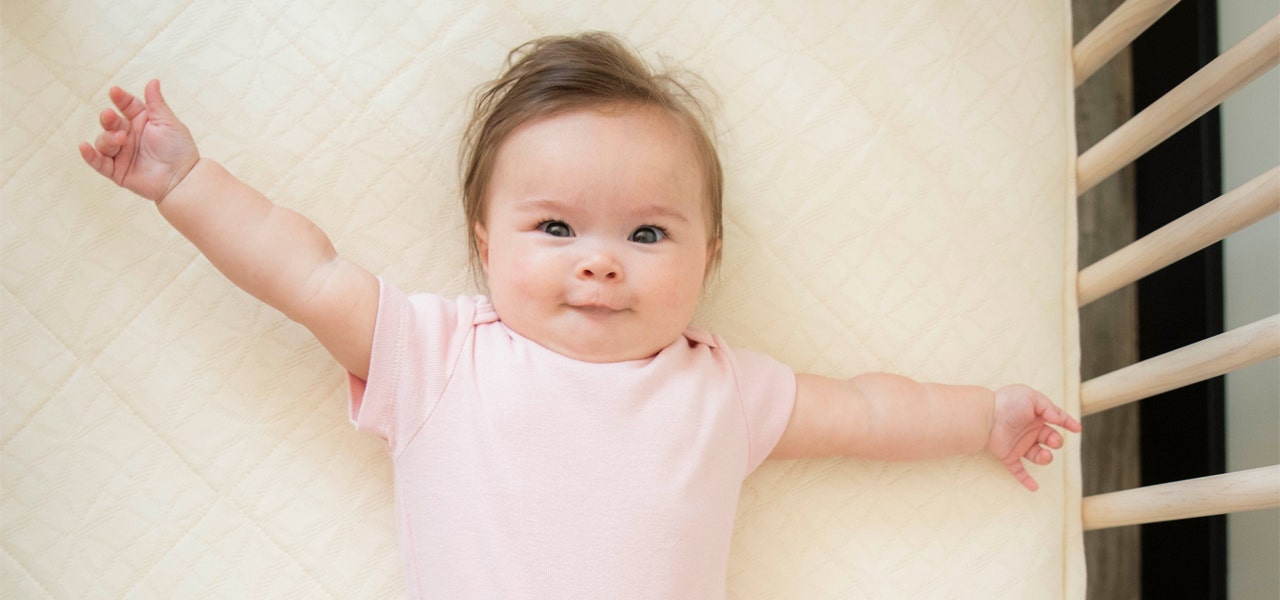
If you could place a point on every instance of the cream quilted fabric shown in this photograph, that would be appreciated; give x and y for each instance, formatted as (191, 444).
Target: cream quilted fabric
(899, 198)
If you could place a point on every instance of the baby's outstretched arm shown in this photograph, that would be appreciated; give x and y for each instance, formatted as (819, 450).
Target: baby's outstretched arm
(274, 253)
(890, 417)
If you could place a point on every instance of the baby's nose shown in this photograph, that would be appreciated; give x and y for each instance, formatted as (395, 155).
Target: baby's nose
(600, 266)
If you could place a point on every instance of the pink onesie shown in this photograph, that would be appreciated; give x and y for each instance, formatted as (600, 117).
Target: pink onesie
(521, 473)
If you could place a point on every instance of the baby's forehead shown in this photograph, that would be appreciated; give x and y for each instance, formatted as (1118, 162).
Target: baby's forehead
(608, 138)
(599, 140)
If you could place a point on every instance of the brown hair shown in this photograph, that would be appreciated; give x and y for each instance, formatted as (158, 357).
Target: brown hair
(556, 74)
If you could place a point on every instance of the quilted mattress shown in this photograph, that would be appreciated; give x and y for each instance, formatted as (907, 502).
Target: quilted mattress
(899, 197)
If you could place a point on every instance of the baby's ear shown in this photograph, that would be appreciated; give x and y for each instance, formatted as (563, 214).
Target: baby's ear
(713, 251)
(482, 245)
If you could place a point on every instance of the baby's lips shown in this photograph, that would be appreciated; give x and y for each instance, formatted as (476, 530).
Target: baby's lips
(597, 302)
(597, 307)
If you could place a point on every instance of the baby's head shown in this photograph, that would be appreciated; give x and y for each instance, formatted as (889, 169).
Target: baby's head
(558, 74)
(592, 194)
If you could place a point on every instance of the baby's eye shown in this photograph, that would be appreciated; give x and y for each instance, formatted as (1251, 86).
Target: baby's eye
(556, 228)
(649, 234)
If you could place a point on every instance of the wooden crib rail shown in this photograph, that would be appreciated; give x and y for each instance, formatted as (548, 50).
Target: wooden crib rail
(1235, 349)
(1206, 225)
(1245, 490)
(1253, 489)
(1118, 30)
(1204, 90)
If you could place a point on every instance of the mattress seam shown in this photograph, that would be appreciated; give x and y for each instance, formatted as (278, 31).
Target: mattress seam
(1071, 477)
(25, 569)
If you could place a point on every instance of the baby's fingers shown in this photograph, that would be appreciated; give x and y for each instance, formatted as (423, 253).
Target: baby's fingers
(1020, 473)
(1067, 422)
(115, 133)
(109, 143)
(111, 121)
(1052, 414)
(1049, 437)
(1039, 455)
(128, 104)
(100, 163)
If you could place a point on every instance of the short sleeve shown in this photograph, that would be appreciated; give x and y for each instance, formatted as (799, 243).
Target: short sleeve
(416, 343)
(767, 389)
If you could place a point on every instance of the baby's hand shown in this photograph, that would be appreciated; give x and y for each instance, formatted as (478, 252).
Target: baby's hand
(1021, 429)
(148, 150)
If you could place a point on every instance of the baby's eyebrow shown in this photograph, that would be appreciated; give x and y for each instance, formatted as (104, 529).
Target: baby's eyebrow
(658, 210)
(647, 211)
(543, 205)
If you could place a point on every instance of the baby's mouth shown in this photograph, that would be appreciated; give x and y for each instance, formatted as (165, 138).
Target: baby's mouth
(597, 309)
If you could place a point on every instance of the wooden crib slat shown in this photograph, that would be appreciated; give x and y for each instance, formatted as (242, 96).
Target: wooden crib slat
(1204, 90)
(1235, 349)
(1210, 223)
(1253, 489)
(1114, 33)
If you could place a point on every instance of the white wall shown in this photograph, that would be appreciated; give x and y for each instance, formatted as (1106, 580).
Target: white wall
(1251, 262)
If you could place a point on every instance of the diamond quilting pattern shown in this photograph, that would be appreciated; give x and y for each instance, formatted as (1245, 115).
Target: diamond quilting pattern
(45, 364)
(210, 560)
(130, 496)
(899, 198)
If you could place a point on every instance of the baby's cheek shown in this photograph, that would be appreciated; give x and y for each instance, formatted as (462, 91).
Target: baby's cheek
(523, 287)
(693, 276)
(525, 275)
(680, 294)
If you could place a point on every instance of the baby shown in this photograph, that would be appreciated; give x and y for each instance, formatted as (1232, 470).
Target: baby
(570, 434)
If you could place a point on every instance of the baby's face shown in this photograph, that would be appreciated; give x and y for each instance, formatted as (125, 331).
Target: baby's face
(595, 237)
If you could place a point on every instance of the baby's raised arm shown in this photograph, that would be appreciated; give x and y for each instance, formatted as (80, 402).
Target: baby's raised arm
(275, 254)
(890, 417)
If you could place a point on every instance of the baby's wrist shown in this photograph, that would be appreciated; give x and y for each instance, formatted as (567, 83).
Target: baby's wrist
(182, 175)
(994, 399)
